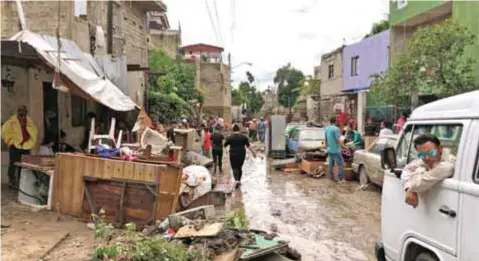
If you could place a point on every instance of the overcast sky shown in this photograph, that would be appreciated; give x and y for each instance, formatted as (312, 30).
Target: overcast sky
(271, 33)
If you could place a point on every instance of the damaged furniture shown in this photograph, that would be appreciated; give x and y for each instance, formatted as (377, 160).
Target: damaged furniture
(137, 191)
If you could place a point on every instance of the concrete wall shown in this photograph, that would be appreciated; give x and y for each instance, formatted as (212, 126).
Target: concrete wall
(332, 86)
(215, 83)
(136, 87)
(41, 17)
(129, 28)
(28, 90)
(373, 58)
(169, 41)
(413, 8)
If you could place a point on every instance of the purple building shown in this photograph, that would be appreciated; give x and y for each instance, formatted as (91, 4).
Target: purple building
(360, 61)
(363, 59)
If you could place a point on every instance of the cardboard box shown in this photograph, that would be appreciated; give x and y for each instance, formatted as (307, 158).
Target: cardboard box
(310, 166)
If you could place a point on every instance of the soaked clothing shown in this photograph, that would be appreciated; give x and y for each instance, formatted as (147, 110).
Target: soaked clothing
(237, 144)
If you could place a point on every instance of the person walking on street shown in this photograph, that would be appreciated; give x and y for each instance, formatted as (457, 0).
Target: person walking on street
(206, 144)
(261, 129)
(238, 144)
(217, 148)
(20, 134)
(334, 144)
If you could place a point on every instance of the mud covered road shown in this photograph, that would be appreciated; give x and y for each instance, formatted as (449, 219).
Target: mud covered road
(321, 219)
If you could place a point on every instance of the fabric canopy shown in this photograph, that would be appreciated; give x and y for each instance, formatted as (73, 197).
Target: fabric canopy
(79, 67)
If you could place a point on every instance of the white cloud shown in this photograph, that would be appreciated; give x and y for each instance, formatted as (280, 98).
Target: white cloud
(271, 33)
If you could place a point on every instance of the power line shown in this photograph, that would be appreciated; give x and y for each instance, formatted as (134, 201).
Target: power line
(233, 19)
(212, 21)
(218, 22)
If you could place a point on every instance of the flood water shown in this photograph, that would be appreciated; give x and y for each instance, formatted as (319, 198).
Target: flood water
(321, 219)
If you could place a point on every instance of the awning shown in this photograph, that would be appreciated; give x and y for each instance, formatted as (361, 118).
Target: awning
(79, 68)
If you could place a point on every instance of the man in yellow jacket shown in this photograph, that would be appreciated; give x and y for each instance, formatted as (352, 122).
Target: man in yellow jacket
(20, 134)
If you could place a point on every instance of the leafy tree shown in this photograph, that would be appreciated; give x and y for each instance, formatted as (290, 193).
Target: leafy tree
(379, 27)
(434, 63)
(172, 90)
(310, 86)
(252, 97)
(289, 81)
(237, 97)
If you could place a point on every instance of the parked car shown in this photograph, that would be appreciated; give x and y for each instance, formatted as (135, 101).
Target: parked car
(443, 226)
(367, 163)
(306, 138)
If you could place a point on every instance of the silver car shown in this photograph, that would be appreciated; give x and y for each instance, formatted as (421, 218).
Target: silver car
(367, 163)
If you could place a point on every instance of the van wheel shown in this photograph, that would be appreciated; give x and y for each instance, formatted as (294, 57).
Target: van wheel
(426, 256)
(363, 176)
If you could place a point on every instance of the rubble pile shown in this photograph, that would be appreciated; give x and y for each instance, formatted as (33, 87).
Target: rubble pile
(198, 235)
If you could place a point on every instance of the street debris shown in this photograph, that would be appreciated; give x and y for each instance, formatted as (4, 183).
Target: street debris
(203, 237)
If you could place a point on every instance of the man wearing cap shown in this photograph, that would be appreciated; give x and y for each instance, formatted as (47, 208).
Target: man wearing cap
(20, 134)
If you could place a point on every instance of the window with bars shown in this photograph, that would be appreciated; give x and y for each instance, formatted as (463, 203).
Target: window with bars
(330, 71)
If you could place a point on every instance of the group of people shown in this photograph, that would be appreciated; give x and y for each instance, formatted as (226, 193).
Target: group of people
(213, 143)
(256, 129)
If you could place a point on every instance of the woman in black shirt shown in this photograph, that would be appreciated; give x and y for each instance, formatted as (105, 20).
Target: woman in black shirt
(238, 144)
(217, 145)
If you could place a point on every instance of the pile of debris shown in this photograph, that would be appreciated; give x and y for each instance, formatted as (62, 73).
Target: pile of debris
(203, 236)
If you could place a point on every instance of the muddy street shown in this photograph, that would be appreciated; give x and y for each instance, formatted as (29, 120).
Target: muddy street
(321, 219)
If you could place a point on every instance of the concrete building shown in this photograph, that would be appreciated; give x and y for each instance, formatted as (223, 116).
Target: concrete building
(126, 28)
(331, 75)
(405, 17)
(212, 77)
(361, 60)
(161, 36)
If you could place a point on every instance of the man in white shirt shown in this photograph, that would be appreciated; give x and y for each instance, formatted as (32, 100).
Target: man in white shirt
(432, 165)
(384, 129)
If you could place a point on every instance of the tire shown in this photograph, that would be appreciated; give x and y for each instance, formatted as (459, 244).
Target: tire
(363, 176)
(426, 256)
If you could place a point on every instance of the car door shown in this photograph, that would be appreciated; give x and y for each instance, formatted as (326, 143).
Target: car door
(469, 209)
(426, 222)
(373, 164)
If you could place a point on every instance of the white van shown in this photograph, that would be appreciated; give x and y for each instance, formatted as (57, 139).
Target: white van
(445, 224)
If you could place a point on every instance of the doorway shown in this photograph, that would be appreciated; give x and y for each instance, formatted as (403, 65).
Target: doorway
(50, 111)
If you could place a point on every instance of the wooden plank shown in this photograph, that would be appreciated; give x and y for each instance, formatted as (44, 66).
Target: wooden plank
(122, 207)
(77, 185)
(206, 231)
(118, 168)
(107, 169)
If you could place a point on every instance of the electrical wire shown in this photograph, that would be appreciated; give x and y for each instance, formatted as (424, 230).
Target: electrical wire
(218, 22)
(212, 21)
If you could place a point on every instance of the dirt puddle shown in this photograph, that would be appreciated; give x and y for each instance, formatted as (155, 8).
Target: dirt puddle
(321, 219)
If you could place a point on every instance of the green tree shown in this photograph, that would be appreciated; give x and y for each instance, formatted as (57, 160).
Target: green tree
(379, 27)
(252, 97)
(237, 97)
(434, 63)
(172, 89)
(310, 86)
(289, 81)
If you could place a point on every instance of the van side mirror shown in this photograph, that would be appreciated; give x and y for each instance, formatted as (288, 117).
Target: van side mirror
(388, 161)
